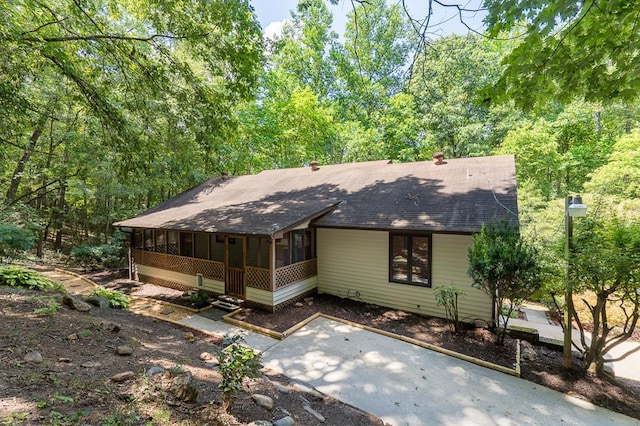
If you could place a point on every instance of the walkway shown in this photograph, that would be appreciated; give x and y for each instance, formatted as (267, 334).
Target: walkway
(627, 369)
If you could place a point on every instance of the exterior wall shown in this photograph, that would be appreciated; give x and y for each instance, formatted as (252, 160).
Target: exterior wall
(282, 295)
(180, 278)
(355, 264)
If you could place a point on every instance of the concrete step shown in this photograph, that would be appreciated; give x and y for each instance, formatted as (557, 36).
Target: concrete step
(230, 299)
(225, 305)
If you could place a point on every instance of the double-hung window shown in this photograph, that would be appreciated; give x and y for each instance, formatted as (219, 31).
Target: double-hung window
(410, 259)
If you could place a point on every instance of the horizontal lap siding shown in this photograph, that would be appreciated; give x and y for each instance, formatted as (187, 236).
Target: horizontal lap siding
(180, 278)
(269, 298)
(355, 264)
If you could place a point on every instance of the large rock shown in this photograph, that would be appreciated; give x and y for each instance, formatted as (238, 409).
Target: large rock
(184, 388)
(100, 302)
(285, 421)
(263, 401)
(121, 377)
(34, 357)
(76, 304)
(124, 350)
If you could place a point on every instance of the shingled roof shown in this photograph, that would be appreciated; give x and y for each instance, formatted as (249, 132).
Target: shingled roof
(457, 196)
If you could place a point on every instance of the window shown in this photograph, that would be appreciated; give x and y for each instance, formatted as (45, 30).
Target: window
(172, 242)
(410, 259)
(217, 248)
(258, 252)
(138, 238)
(148, 240)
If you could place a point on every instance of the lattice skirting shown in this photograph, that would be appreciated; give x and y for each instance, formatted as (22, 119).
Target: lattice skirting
(164, 283)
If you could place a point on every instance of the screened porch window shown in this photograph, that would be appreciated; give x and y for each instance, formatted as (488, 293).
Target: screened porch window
(410, 259)
(258, 252)
(295, 246)
(186, 244)
(161, 243)
(202, 246)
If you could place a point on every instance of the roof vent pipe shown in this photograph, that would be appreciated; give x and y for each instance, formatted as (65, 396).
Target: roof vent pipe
(438, 158)
(314, 166)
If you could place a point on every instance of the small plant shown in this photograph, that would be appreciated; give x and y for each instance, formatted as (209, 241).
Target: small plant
(17, 276)
(199, 297)
(13, 240)
(63, 398)
(447, 296)
(235, 363)
(117, 299)
(51, 309)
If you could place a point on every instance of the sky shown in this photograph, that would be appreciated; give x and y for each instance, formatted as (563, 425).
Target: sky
(444, 21)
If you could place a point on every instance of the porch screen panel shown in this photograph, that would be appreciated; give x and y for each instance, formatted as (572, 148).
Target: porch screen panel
(217, 248)
(399, 258)
(202, 246)
(138, 239)
(309, 244)
(186, 244)
(253, 248)
(282, 252)
(264, 254)
(298, 246)
(148, 240)
(172, 242)
(161, 242)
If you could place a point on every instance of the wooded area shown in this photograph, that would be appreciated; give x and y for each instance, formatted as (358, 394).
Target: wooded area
(108, 107)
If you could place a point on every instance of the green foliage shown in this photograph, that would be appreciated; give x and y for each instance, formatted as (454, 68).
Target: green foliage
(14, 239)
(236, 362)
(116, 298)
(199, 296)
(104, 256)
(17, 276)
(447, 296)
(50, 309)
(505, 267)
(605, 260)
(567, 50)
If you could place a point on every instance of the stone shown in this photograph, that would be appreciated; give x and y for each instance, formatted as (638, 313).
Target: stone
(65, 360)
(206, 356)
(121, 377)
(90, 364)
(308, 391)
(263, 401)
(285, 421)
(528, 354)
(481, 323)
(124, 350)
(308, 300)
(35, 357)
(260, 423)
(100, 302)
(315, 414)
(73, 336)
(280, 387)
(152, 371)
(183, 387)
(189, 336)
(298, 304)
(524, 333)
(76, 304)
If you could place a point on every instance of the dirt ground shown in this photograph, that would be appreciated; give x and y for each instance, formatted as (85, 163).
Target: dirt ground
(76, 380)
(163, 344)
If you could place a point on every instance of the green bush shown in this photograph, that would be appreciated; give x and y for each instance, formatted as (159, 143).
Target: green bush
(101, 256)
(447, 297)
(13, 240)
(235, 363)
(17, 276)
(116, 298)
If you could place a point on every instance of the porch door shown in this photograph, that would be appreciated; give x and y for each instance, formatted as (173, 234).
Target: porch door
(234, 283)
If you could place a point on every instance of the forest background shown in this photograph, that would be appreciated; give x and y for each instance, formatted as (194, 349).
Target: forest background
(108, 107)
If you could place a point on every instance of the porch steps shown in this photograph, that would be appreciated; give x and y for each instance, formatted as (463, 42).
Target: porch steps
(230, 299)
(225, 305)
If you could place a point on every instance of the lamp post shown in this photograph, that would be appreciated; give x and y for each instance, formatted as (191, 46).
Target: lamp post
(573, 208)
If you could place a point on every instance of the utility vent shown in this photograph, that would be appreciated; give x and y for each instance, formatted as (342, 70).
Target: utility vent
(200, 280)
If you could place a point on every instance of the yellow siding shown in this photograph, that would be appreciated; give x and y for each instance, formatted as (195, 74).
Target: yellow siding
(282, 295)
(355, 264)
(178, 277)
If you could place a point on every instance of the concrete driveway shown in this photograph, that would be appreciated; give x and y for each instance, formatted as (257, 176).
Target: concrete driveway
(407, 385)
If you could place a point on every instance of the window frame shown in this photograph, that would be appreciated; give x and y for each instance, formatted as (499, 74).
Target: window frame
(409, 247)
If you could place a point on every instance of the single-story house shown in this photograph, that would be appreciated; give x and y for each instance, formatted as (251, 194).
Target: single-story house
(377, 232)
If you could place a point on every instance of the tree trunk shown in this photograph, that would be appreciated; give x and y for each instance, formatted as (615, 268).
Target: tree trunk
(29, 149)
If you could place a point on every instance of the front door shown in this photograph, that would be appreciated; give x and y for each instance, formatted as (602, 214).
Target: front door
(234, 283)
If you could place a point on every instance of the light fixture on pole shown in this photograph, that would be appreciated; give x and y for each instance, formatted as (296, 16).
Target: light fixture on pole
(574, 207)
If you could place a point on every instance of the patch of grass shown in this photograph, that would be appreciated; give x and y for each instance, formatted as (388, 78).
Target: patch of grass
(50, 309)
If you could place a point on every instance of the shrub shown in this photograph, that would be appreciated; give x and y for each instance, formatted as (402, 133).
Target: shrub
(447, 296)
(14, 239)
(117, 299)
(235, 363)
(101, 256)
(17, 276)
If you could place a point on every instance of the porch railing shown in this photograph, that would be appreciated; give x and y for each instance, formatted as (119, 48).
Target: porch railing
(186, 265)
(296, 272)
